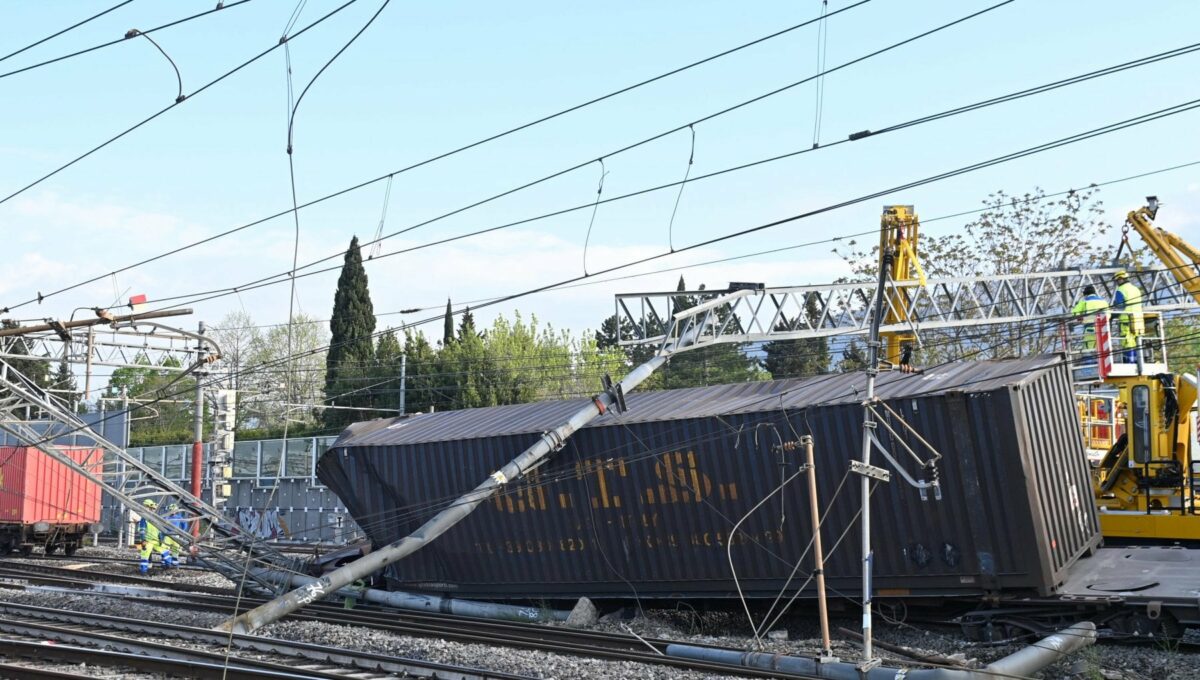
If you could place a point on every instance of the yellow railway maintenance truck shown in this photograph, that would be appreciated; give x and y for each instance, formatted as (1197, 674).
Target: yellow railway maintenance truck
(1137, 415)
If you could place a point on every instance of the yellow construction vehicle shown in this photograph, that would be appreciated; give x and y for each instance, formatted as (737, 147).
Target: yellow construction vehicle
(1144, 482)
(1135, 413)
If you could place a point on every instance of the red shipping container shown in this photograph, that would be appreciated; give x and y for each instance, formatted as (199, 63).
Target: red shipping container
(36, 488)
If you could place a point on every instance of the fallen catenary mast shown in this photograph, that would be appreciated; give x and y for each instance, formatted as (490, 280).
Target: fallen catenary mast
(549, 443)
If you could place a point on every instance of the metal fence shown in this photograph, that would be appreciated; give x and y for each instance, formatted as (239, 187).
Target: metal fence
(275, 491)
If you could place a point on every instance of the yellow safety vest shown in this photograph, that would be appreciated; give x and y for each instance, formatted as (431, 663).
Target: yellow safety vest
(1088, 308)
(1129, 315)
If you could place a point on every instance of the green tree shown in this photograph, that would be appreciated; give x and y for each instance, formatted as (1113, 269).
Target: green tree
(36, 370)
(352, 350)
(797, 358)
(64, 385)
(712, 365)
(168, 420)
(275, 384)
(448, 325)
(423, 389)
(853, 358)
(388, 354)
(608, 338)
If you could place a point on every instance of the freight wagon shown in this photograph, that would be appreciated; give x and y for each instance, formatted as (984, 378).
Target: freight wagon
(644, 503)
(44, 503)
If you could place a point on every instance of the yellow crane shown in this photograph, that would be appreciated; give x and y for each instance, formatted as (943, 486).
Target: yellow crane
(899, 230)
(1144, 483)
(1137, 413)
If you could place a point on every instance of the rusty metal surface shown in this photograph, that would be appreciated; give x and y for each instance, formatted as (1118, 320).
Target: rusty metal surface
(643, 503)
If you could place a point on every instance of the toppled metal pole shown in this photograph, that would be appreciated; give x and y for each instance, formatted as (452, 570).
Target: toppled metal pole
(1018, 665)
(429, 603)
(550, 442)
(1045, 651)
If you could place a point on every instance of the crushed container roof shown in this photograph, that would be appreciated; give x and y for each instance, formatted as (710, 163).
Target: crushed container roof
(694, 402)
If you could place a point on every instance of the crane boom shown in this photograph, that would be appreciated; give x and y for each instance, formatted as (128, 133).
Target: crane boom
(1167, 247)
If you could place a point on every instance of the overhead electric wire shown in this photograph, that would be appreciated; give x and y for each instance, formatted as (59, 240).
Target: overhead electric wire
(162, 111)
(1137, 120)
(110, 43)
(68, 28)
(1029, 151)
(292, 290)
(275, 278)
(583, 164)
(962, 170)
(758, 253)
(451, 152)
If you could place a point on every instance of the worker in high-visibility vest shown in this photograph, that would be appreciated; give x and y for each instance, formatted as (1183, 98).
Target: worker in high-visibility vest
(1127, 312)
(150, 541)
(175, 516)
(1086, 311)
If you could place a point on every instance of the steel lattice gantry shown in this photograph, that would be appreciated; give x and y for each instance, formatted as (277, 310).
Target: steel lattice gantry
(221, 544)
(132, 344)
(755, 313)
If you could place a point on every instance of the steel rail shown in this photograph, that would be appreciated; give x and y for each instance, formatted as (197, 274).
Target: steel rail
(36, 650)
(319, 661)
(178, 660)
(12, 569)
(593, 644)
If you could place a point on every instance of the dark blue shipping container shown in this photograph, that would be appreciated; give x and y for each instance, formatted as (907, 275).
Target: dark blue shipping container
(643, 503)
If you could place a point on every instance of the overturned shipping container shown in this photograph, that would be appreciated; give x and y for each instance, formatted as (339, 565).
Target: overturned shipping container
(643, 503)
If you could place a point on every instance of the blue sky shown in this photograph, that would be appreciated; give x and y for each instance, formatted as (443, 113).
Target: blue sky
(428, 77)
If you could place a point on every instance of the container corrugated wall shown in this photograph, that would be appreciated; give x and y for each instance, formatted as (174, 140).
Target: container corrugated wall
(36, 488)
(645, 508)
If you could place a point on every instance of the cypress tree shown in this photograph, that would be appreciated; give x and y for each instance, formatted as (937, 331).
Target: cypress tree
(448, 325)
(352, 350)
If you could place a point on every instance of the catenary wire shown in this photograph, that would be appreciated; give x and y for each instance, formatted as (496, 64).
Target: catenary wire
(532, 183)
(121, 40)
(68, 28)
(759, 253)
(1103, 130)
(275, 278)
(1029, 151)
(162, 111)
(457, 150)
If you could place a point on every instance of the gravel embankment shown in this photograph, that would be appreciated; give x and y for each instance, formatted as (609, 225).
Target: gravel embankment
(1099, 662)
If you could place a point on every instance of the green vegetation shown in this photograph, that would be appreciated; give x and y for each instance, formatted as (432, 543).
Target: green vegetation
(352, 350)
(168, 420)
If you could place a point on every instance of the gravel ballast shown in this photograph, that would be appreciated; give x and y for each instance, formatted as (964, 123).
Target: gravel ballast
(1098, 662)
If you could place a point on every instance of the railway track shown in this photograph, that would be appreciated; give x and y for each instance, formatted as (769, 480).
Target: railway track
(559, 640)
(51, 575)
(84, 634)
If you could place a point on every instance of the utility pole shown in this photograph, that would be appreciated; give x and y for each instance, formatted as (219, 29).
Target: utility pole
(198, 427)
(867, 471)
(87, 375)
(403, 379)
(818, 552)
(126, 520)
